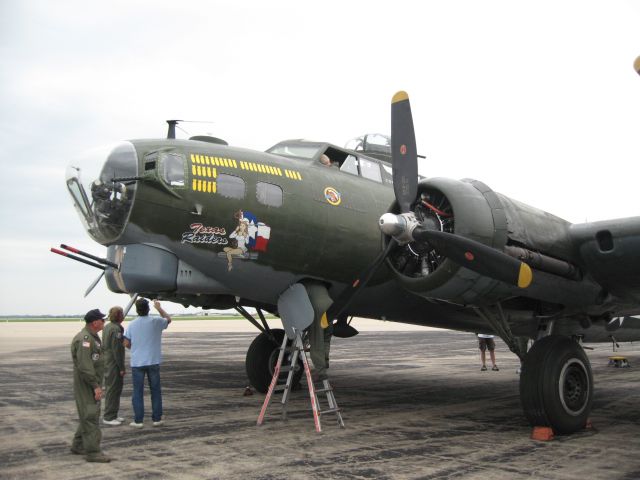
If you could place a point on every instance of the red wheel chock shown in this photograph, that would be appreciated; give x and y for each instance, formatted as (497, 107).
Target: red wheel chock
(542, 434)
(545, 434)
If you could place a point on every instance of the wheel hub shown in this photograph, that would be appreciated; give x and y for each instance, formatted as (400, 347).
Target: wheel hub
(574, 387)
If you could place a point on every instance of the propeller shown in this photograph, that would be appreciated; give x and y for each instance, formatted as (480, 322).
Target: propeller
(405, 228)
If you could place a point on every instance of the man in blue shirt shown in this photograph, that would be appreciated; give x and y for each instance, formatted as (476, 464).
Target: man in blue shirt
(144, 337)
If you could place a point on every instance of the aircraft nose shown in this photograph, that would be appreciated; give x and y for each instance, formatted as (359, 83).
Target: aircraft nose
(104, 209)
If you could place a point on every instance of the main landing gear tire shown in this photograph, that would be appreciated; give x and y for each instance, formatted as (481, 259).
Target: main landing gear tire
(556, 385)
(261, 361)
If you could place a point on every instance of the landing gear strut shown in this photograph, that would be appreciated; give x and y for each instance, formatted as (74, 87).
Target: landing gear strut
(556, 385)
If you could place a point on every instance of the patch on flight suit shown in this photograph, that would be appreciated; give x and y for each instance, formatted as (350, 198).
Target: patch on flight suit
(95, 356)
(86, 344)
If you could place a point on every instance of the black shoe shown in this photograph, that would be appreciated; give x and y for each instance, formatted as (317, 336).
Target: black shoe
(483, 369)
(77, 451)
(97, 458)
(319, 378)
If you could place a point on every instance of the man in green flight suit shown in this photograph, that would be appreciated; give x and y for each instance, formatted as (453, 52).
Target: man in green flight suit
(88, 369)
(320, 330)
(112, 337)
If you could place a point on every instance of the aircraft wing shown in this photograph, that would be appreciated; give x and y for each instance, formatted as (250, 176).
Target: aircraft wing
(609, 251)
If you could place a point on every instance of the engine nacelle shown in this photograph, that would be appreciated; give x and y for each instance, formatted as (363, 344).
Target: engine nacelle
(471, 209)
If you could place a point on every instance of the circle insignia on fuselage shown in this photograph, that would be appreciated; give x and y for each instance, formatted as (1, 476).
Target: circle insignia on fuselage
(332, 196)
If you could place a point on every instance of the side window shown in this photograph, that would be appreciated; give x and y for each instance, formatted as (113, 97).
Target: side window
(231, 186)
(370, 170)
(350, 165)
(387, 174)
(269, 194)
(172, 169)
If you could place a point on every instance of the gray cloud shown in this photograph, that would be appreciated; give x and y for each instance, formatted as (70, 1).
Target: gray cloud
(538, 105)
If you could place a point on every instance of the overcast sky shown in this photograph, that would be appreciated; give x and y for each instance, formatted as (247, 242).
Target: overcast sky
(538, 99)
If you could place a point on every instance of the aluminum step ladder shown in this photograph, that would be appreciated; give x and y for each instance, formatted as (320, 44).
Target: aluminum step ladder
(298, 351)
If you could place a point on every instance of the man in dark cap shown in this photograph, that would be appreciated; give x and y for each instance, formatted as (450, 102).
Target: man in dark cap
(88, 369)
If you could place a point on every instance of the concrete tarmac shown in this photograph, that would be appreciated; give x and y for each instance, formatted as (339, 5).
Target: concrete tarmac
(415, 406)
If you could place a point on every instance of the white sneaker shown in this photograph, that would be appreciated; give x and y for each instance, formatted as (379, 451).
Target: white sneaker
(115, 422)
(158, 423)
(136, 425)
(120, 419)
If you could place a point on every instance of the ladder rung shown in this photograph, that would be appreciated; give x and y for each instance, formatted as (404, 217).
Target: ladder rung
(293, 349)
(279, 388)
(323, 390)
(330, 410)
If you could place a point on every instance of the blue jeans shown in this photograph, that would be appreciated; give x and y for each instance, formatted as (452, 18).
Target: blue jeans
(137, 399)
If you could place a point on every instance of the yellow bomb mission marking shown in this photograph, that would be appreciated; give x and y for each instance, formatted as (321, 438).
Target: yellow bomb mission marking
(205, 167)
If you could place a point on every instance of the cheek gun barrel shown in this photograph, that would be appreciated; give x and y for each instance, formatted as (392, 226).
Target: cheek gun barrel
(102, 262)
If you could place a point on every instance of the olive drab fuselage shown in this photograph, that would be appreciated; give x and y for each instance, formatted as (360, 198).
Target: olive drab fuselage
(210, 225)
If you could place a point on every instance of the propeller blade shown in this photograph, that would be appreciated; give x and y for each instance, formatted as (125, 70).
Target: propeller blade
(338, 307)
(93, 284)
(134, 297)
(477, 257)
(404, 152)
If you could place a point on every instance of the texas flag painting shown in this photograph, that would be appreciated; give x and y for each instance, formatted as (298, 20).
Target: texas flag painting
(259, 233)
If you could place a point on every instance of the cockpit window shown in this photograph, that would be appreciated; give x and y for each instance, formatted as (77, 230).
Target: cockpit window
(295, 150)
(373, 145)
(362, 166)
(172, 165)
(370, 170)
(350, 165)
